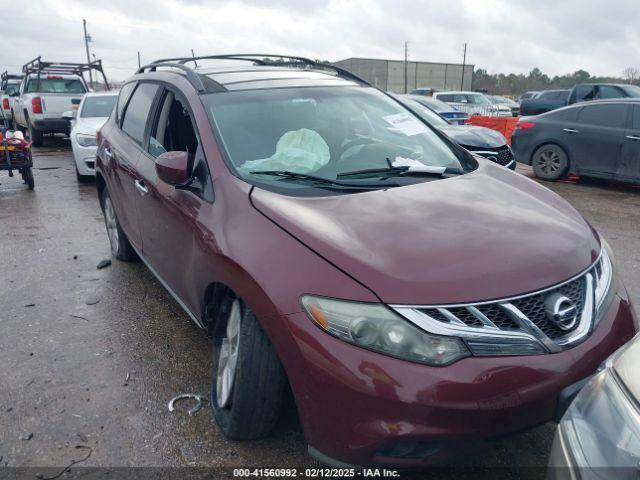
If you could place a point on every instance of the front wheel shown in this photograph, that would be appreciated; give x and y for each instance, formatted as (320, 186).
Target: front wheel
(550, 162)
(120, 246)
(248, 380)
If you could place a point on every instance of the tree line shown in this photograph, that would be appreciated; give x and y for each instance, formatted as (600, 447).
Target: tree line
(515, 84)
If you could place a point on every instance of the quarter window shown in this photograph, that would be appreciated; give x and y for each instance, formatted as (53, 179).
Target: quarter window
(135, 116)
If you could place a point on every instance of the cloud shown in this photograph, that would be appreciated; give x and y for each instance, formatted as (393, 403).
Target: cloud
(502, 35)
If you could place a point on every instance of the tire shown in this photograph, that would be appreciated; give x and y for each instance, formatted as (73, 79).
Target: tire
(28, 178)
(120, 246)
(550, 162)
(250, 405)
(35, 136)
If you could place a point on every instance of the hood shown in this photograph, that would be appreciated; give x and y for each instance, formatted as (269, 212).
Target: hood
(474, 136)
(626, 366)
(90, 125)
(489, 234)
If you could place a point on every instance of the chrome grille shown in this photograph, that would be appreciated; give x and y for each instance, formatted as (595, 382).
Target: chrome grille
(519, 321)
(501, 155)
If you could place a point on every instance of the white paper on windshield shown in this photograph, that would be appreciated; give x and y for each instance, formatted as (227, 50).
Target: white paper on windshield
(416, 165)
(406, 123)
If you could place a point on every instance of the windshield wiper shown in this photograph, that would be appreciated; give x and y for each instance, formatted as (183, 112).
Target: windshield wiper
(323, 180)
(392, 171)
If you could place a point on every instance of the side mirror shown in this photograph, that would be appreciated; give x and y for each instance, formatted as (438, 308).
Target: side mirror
(69, 115)
(173, 168)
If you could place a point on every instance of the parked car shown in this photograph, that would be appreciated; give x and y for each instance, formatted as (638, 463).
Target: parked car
(49, 89)
(544, 101)
(512, 104)
(446, 111)
(599, 436)
(530, 94)
(474, 103)
(9, 86)
(93, 112)
(595, 139)
(414, 297)
(425, 91)
(479, 140)
(583, 92)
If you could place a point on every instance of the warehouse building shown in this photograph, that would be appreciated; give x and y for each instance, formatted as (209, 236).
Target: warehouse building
(389, 75)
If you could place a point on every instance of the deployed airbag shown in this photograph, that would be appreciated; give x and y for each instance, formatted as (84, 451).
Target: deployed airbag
(300, 151)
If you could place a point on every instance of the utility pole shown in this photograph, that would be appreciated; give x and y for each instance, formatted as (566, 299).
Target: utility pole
(464, 61)
(406, 64)
(87, 39)
(139, 59)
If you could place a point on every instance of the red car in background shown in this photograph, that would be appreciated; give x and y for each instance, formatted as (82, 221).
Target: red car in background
(416, 298)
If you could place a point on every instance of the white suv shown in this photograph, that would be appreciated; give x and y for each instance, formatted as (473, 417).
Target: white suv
(474, 103)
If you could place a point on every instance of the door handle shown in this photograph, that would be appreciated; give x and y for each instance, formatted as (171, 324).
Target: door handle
(570, 130)
(632, 137)
(108, 152)
(141, 187)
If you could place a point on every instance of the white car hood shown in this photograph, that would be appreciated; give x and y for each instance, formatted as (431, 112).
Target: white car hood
(90, 125)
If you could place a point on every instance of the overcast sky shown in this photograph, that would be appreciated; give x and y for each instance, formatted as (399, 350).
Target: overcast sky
(558, 36)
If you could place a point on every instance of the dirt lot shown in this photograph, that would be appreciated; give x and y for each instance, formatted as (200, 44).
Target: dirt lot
(91, 357)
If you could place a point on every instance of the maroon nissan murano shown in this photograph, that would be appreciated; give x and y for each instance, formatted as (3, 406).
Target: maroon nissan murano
(416, 298)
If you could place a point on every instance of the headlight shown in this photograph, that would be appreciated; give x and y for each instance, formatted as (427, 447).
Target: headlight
(86, 140)
(604, 278)
(375, 327)
(602, 426)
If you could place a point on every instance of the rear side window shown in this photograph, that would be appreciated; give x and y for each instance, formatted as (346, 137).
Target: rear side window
(607, 115)
(125, 93)
(446, 97)
(606, 91)
(137, 112)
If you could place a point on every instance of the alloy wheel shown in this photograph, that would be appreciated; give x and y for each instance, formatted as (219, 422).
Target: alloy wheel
(228, 357)
(549, 162)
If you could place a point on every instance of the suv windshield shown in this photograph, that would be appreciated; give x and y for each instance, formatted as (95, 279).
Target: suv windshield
(98, 106)
(55, 85)
(328, 132)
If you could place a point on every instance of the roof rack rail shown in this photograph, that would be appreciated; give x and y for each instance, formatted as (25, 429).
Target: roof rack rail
(37, 66)
(6, 76)
(194, 78)
(257, 59)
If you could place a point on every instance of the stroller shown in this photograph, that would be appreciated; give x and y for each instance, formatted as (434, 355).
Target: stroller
(15, 154)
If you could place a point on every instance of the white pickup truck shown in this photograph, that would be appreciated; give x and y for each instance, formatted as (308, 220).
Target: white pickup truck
(47, 91)
(9, 86)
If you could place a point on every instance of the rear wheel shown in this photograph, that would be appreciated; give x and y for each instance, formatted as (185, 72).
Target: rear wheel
(120, 246)
(248, 380)
(27, 176)
(550, 162)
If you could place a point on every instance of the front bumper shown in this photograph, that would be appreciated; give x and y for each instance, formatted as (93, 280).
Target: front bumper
(362, 408)
(85, 158)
